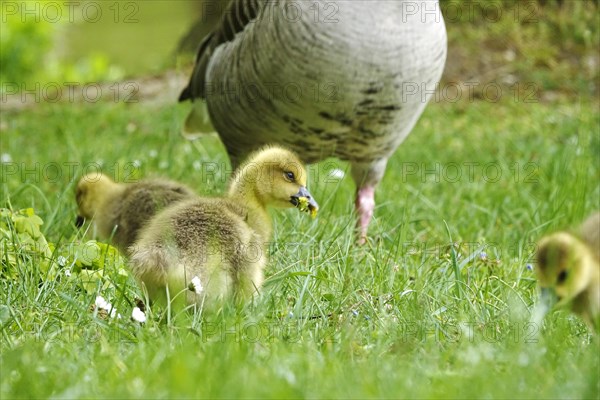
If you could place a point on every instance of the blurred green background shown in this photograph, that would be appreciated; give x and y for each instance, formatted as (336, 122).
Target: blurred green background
(91, 41)
(499, 41)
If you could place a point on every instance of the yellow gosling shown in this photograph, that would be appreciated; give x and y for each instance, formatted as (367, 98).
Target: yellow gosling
(569, 270)
(205, 250)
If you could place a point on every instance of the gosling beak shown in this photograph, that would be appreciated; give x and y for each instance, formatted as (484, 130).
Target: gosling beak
(79, 221)
(304, 201)
(548, 298)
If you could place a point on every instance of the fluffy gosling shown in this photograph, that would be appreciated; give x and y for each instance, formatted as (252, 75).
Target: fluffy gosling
(569, 270)
(124, 208)
(215, 248)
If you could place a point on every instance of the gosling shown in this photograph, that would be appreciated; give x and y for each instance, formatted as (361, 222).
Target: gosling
(569, 270)
(207, 250)
(120, 210)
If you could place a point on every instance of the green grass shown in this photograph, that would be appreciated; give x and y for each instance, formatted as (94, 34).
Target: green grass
(417, 313)
(404, 316)
(536, 48)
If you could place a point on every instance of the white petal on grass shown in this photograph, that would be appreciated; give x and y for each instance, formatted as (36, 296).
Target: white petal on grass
(196, 285)
(62, 261)
(102, 303)
(337, 174)
(5, 158)
(138, 315)
(67, 272)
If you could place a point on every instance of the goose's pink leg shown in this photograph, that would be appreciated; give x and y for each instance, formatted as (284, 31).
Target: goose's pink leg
(365, 204)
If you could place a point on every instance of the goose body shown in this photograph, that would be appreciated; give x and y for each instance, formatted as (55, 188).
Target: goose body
(219, 244)
(120, 210)
(346, 79)
(569, 269)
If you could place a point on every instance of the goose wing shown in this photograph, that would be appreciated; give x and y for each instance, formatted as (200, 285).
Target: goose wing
(238, 14)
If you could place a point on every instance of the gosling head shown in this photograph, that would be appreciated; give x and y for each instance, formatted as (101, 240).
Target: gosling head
(564, 267)
(277, 178)
(91, 193)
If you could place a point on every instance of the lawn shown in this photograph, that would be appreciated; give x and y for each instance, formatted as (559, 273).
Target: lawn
(440, 303)
(404, 316)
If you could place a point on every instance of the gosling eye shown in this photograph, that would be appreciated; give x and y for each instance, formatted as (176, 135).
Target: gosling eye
(562, 277)
(289, 176)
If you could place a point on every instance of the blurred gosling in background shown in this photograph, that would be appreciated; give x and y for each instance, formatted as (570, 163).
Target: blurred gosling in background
(569, 270)
(119, 210)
